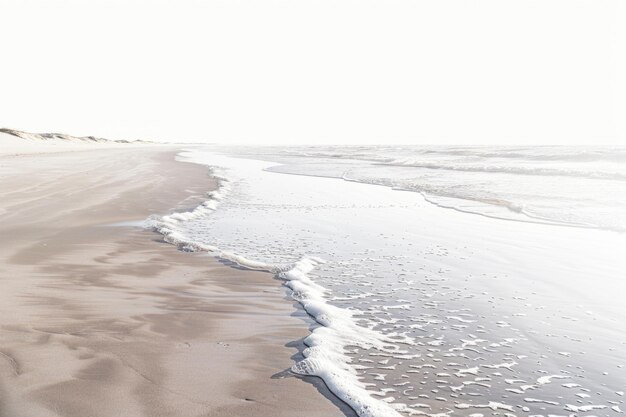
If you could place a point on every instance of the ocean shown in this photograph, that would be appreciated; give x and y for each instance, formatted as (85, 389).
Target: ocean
(439, 280)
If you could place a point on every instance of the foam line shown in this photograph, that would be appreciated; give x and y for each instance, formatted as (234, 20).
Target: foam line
(326, 353)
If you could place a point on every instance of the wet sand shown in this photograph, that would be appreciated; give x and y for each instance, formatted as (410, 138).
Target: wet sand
(99, 317)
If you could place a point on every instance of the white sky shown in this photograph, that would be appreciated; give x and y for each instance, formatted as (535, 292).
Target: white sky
(310, 71)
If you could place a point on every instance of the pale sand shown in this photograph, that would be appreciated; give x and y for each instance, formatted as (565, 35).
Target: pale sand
(107, 320)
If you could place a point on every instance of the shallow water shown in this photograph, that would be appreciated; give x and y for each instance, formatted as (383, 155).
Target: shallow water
(423, 309)
(576, 186)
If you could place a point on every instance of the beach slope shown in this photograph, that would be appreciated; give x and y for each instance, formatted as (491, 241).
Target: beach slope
(100, 318)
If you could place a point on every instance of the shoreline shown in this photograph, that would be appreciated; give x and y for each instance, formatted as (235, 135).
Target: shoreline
(467, 308)
(102, 319)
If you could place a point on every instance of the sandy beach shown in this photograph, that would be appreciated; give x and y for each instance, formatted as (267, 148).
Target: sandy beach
(155, 280)
(99, 317)
(312, 208)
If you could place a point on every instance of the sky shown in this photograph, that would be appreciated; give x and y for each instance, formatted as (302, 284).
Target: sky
(317, 72)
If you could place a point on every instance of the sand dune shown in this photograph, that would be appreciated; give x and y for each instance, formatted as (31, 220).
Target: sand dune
(14, 142)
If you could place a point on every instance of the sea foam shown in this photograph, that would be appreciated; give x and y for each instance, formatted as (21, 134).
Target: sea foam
(325, 355)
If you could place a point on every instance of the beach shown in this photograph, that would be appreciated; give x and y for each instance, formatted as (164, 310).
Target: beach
(313, 208)
(100, 317)
(446, 302)
(170, 280)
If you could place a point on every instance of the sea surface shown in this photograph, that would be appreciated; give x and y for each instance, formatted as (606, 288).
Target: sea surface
(459, 281)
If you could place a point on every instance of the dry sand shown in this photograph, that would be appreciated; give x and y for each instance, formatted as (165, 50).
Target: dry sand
(100, 318)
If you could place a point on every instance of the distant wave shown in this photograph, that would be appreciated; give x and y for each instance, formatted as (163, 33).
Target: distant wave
(524, 215)
(538, 153)
(560, 153)
(517, 170)
(456, 196)
(590, 163)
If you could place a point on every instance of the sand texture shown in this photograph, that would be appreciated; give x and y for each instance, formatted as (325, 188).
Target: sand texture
(100, 318)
